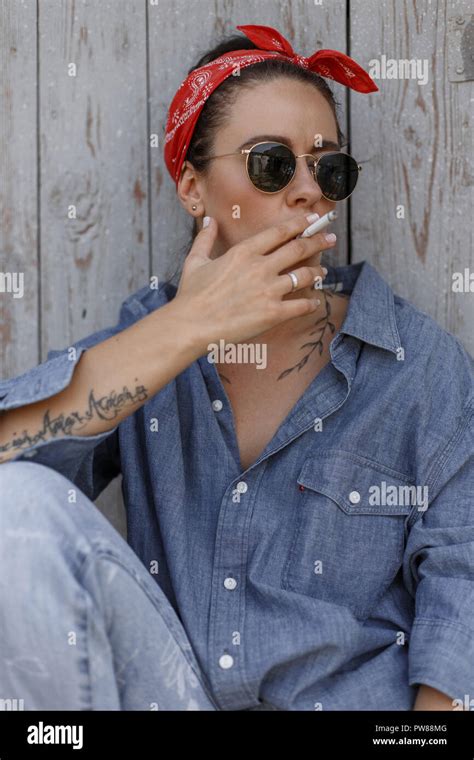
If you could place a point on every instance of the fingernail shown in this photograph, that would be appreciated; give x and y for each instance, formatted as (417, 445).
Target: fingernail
(205, 221)
(325, 271)
(330, 237)
(312, 217)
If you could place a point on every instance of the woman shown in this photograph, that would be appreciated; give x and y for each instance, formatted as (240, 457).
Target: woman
(301, 530)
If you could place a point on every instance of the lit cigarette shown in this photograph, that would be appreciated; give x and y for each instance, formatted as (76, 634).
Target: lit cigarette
(320, 224)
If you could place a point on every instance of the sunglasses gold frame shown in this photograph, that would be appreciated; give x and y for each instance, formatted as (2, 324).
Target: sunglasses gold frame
(315, 161)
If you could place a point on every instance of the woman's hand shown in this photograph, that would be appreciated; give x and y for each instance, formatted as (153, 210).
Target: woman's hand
(432, 699)
(241, 293)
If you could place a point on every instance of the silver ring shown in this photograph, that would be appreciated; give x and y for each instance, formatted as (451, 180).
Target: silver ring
(294, 280)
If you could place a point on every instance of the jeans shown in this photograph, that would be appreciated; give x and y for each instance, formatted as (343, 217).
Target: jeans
(83, 625)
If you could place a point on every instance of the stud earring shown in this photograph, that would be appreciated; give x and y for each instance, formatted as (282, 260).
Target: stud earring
(194, 208)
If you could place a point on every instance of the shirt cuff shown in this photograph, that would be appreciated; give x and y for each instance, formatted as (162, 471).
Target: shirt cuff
(441, 655)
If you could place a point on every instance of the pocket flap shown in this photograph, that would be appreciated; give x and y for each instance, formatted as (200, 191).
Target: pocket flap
(358, 485)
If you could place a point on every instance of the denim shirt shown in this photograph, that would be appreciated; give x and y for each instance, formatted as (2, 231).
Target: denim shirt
(337, 571)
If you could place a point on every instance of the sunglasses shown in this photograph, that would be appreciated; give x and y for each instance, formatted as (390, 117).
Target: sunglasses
(271, 166)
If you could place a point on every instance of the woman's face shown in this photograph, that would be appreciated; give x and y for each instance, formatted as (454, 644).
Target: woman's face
(293, 110)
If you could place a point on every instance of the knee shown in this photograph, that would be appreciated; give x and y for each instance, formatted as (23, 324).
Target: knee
(40, 541)
(43, 515)
(29, 490)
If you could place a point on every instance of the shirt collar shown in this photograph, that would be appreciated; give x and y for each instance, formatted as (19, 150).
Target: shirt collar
(371, 311)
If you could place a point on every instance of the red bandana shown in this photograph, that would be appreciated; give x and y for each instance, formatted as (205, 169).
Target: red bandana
(192, 94)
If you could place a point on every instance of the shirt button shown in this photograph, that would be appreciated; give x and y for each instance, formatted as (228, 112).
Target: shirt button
(230, 583)
(354, 497)
(242, 486)
(226, 661)
(217, 405)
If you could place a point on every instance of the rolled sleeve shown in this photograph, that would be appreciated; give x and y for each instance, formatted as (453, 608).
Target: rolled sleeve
(90, 461)
(40, 382)
(438, 570)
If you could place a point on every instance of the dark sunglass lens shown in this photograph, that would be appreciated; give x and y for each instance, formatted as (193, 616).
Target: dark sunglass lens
(337, 175)
(270, 166)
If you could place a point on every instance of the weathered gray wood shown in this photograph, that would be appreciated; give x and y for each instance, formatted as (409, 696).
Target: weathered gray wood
(179, 33)
(418, 139)
(94, 155)
(19, 335)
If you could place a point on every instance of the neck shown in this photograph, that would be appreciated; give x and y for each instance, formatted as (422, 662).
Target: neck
(298, 345)
(293, 330)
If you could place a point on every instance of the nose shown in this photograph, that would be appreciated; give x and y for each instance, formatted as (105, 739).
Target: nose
(304, 181)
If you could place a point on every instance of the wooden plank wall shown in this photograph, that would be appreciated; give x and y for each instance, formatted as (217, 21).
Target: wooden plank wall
(81, 138)
(19, 238)
(419, 142)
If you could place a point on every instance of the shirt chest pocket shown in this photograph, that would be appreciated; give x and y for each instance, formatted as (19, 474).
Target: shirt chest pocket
(348, 530)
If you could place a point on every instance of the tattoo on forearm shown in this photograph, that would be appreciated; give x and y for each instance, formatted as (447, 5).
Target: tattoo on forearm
(324, 322)
(103, 408)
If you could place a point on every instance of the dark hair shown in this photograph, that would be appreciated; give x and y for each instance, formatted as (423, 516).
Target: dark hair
(215, 111)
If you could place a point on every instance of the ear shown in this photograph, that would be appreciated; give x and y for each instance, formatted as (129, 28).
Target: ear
(188, 187)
